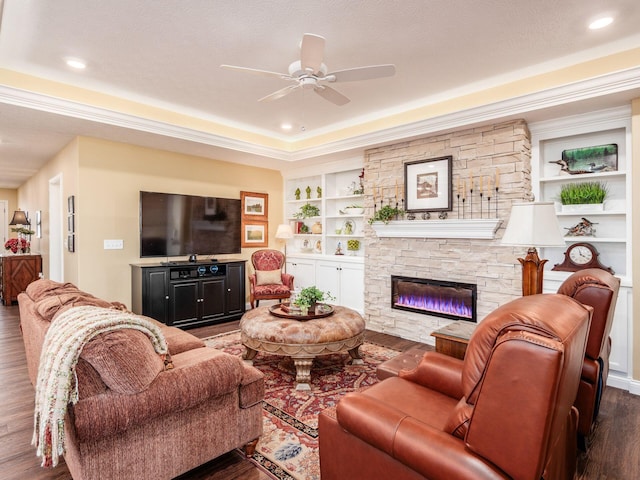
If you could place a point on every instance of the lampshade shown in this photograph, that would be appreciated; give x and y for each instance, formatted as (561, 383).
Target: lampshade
(284, 231)
(19, 218)
(533, 225)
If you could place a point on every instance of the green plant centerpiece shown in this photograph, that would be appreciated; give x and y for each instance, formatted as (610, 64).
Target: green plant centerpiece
(308, 297)
(386, 214)
(307, 210)
(583, 193)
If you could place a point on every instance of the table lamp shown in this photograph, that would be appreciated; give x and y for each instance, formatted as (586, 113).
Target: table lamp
(284, 232)
(533, 225)
(19, 218)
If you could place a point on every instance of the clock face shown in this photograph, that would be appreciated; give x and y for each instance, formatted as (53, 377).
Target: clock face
(581, 255)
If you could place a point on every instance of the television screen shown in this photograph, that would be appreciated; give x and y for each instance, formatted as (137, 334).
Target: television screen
(176, 225)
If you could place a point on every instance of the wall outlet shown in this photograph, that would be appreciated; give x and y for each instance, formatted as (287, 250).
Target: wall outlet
(113, 244)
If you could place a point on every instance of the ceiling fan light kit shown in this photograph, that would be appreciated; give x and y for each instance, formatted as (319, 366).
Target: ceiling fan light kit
(310, 73)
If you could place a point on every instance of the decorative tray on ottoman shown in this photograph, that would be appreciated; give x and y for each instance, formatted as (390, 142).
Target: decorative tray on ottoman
(284, 310)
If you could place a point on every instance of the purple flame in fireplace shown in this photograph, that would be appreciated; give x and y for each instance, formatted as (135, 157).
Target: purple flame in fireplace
(434, 297)
(450, 306)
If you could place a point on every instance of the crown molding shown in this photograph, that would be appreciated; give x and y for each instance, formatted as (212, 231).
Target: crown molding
(583, 90)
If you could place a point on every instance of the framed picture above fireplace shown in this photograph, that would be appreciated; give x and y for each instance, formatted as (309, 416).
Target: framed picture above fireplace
(427, 185)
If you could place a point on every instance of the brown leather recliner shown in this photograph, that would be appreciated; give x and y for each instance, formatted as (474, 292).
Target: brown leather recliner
(599, 289)
(505, 411)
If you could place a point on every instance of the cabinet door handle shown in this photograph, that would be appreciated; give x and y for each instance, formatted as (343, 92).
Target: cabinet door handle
(167, 297)
(228, 289)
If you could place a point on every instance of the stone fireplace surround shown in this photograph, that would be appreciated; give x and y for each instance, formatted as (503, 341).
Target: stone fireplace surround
(483, 261)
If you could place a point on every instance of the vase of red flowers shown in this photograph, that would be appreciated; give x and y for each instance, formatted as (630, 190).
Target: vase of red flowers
(17, 245)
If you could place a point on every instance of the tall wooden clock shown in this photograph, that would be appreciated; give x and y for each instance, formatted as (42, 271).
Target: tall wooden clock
(580, 256)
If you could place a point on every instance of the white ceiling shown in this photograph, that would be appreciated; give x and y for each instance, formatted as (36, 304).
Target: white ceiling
(168, 54)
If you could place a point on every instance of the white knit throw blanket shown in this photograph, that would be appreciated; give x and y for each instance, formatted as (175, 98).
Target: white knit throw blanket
(57, 383)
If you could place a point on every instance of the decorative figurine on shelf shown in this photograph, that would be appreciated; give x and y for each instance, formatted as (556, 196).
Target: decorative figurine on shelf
(297, 193)
(442, 215)
(319, 191)
(339, 249)
(348, 227)
(308, 190)
(582, 229)
(351, 188)
(360, 191)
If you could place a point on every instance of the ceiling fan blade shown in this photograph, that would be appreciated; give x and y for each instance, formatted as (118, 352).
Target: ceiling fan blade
(332, 95)
(279, 93)
(362, 73)
(254, 71)
(312, 52)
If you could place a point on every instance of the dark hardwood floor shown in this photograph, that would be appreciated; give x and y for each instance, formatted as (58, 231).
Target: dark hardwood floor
(614, 452)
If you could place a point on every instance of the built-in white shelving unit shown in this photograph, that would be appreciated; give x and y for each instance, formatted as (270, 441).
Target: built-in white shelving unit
(612, 237)
(311, 257)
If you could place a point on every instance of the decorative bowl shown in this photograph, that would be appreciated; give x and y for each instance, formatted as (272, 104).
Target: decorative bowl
(353, 211)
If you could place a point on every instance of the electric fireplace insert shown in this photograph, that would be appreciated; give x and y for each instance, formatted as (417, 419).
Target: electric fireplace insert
(453, 300)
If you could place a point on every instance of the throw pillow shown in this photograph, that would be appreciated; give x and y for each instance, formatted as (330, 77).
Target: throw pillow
(125, 360)
(269, 277)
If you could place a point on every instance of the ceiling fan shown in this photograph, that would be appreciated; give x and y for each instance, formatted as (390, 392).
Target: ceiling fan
(310, 73)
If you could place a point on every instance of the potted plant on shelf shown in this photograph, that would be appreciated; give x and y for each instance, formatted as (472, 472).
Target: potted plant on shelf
(583, 196)
(307, 210)
(386, 214)
(308, 297)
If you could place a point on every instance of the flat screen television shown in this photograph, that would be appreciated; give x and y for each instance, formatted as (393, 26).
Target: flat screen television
(175, 225)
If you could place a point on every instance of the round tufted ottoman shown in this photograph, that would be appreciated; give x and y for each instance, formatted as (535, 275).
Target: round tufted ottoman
(302, 340)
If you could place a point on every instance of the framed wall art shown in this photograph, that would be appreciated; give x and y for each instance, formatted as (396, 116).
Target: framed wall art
(38, 223)
(255, 234)
(255, 206)
(601, 158)
(427, 185)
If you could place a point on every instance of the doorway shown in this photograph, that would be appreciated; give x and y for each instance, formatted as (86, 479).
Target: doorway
(56, 244)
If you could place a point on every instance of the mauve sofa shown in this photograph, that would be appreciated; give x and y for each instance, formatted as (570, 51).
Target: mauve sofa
(134, 418)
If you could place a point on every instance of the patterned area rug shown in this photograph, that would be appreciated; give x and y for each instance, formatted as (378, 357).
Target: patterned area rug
(288, 448)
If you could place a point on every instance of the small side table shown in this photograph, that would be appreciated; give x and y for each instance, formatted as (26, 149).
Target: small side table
(453, 339)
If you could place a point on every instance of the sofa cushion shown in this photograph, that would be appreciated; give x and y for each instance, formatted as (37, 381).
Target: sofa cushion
(125, 360)
(49, 307)
(269, 277)
(180, 341)
(89, 381)
(199, 375)
(45, 287)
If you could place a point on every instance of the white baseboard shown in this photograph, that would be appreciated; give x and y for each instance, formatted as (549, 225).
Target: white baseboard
(624, 383)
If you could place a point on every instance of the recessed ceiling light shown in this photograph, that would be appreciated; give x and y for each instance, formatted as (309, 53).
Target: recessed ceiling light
(286, 126)
(600, 23)
(76, 63)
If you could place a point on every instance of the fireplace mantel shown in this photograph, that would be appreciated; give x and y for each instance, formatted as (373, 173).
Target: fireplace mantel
(476, 229)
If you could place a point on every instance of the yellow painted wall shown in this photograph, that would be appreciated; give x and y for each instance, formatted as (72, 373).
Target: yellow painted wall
(111, 176)
(34, 195)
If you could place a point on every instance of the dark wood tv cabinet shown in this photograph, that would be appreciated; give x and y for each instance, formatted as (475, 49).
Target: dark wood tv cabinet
(186, 295)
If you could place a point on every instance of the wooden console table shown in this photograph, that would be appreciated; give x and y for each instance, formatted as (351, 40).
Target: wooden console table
(16, 272)
(453, 339)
